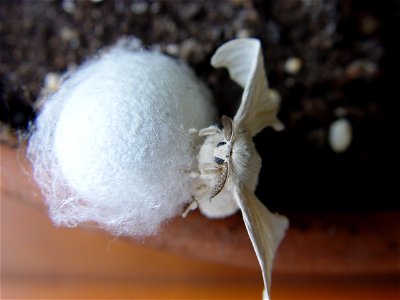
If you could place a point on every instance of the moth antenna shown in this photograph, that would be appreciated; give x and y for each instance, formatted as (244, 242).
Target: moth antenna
(228, 127)
(221, 180)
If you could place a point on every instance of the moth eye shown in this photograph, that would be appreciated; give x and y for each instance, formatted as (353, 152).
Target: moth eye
(221, 144)
(218, 160)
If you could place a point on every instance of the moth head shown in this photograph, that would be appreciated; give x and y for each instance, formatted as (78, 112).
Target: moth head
(222, 152)
(223, 148)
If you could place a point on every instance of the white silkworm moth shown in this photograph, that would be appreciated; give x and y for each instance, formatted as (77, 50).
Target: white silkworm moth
(228, 161)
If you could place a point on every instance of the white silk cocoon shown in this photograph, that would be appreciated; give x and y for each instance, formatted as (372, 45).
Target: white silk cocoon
(112, 145)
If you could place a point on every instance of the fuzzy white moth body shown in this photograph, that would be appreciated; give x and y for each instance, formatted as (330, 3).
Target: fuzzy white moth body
(227, 158)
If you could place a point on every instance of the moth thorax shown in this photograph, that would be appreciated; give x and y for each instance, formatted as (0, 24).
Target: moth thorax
(246, 163)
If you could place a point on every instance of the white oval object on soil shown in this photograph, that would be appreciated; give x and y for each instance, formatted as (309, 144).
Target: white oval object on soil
(340, 135)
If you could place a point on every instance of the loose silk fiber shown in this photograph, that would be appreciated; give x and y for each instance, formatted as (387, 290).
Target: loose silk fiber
(112, 145)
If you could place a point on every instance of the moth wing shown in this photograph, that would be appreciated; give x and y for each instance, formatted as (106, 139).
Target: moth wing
(259, 105)
(265, 229)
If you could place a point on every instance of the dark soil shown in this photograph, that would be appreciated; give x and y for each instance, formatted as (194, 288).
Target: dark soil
(348, 55)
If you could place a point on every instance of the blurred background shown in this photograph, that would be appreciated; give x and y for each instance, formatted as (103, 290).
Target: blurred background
(331, 61)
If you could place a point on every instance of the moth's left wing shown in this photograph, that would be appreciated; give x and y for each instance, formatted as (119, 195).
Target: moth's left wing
(244, 61)
(265, 230)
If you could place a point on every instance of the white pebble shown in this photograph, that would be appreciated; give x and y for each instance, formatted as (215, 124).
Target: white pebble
(293, 65)
(340, 135)
(52, 82)
(243, 33)
(68, 6)
(172, 49)
(139, 8)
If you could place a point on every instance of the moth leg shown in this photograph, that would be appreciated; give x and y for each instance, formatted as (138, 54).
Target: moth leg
(211, 169)
(201, 191)
(209, 130)
(193, 131)
(192, 173)
(191, 206)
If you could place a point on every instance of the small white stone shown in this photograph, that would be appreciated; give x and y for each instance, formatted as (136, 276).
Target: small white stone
(340, 135)
(68, 6)
(71, 36)
(139, 8)
(243, 33)
(172, 49)
(52, 82)
(293, 65)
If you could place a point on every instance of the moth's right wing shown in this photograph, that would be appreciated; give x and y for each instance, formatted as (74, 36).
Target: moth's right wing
(259, 106)
(265, 229)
